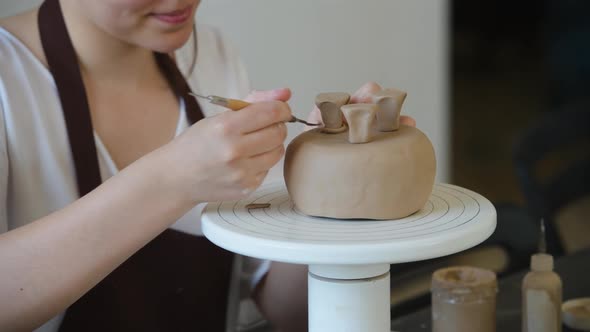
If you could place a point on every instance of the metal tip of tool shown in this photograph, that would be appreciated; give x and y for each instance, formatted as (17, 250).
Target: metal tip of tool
(310, 124)
(296, 119)
(199, 96)
(542, 237)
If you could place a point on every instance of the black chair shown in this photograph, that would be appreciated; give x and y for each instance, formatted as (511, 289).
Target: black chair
(552, 161)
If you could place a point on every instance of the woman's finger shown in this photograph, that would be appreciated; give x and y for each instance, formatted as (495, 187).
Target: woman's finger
(263, 162)
(314, 117)
(263, 140)
(253, 183)
(283, 94)
(407, 120)
(365, 93)
(254, 117)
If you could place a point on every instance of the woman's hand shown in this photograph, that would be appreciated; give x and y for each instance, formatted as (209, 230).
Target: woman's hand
(362, 95)
(227, 156)
(218, 158)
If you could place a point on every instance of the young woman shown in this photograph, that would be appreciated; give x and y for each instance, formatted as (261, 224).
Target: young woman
(105, 161)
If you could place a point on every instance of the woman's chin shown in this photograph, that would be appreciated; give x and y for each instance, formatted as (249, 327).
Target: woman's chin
(168, 42)
(167, 47)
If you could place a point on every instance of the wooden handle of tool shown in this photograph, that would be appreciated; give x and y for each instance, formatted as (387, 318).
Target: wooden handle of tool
(236, 104)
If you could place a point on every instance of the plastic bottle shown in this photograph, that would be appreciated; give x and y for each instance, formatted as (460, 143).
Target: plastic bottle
(541, 296)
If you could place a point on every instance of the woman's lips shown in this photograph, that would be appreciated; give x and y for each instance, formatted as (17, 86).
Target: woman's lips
(175, 17)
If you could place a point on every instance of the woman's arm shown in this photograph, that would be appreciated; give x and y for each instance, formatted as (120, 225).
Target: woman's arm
(48, 264)
(51, 262)
(282, 296)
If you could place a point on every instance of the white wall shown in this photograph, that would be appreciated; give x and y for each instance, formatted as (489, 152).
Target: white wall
(11, 7)
(315, 46)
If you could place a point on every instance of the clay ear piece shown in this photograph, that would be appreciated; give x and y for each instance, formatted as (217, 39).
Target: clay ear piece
(389, 105)
(360, 118)
(330, 108)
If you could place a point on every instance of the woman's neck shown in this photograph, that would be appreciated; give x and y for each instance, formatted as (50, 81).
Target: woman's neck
(103, 57)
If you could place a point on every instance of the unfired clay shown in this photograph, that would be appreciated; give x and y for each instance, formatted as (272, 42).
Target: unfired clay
(329, 105)
(360, 118)
(389, 105)
(390, 176)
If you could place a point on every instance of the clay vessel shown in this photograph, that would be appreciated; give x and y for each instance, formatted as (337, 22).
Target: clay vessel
(372, 169)
(389, 176)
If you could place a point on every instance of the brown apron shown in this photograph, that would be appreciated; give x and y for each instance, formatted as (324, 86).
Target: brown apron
(177, 282)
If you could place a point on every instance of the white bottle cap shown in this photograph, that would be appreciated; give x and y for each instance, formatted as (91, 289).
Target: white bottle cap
(541, 262)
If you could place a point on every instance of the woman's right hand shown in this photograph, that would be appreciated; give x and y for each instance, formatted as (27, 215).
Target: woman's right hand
(227, 156)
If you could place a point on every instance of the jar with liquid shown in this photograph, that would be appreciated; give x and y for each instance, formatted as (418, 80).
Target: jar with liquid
(464, 300)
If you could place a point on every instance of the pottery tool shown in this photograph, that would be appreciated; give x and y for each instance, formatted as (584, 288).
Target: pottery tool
(257, 206)
(236, 105)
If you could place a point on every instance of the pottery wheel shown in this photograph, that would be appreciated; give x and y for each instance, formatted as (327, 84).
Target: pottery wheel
(349, 259)
(453, 219)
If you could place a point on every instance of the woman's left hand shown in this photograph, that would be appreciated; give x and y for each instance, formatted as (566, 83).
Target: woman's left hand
(362, 95)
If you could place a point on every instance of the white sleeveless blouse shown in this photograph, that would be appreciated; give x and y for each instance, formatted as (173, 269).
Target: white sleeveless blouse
(36, 169)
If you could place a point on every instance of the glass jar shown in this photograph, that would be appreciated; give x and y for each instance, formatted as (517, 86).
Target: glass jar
(464, 300)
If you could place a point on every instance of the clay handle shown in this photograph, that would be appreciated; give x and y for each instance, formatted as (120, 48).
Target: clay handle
(329, 105)
(389, 105)
(360, 118)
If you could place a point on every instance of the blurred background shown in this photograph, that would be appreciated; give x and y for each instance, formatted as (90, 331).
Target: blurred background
(502, 88)
(315, 46)
(512, 62)
(477, 73)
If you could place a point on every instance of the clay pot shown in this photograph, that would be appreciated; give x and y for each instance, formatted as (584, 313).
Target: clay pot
(390, 176)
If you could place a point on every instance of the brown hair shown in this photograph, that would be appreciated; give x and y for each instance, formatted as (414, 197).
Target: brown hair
(191, 68)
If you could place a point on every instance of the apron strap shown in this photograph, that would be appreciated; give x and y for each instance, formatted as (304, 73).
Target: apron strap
(180, 86)
(63, 64)
(177, 282)
(62, 61)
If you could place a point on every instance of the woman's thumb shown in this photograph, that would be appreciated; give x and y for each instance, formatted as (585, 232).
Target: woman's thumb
(267, 95)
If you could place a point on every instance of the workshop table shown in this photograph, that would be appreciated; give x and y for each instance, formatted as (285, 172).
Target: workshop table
(574, 270)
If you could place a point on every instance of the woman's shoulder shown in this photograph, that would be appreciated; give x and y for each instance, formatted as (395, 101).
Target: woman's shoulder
(22, 72)
(21, 31)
